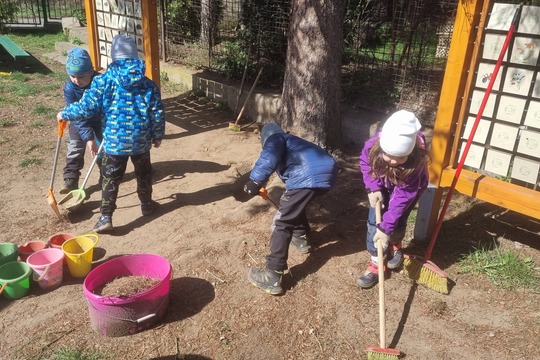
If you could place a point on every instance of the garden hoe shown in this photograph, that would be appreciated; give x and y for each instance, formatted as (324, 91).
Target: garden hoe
(381, 352)
(50, 193)
(420, 269)
(76, 197)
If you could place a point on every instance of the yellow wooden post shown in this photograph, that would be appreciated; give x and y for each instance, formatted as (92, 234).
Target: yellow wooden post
(91, 24)
(151, 40)
(452, 92)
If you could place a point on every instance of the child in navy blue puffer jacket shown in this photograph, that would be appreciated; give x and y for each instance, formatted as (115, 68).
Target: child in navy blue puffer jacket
(81, 73)
(308, 171)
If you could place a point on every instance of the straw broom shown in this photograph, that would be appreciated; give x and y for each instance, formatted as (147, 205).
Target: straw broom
(424, 271)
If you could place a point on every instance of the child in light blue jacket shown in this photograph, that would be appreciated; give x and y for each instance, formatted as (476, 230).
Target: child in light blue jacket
(133, 120)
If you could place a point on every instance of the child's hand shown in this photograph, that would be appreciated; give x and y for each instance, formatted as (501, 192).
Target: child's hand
(156, 143)
(374, 197)
(383, 238)
(92, 147)
(252, 188)
(59, 116)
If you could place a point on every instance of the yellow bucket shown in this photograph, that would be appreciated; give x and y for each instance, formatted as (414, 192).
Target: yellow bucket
(79, 252)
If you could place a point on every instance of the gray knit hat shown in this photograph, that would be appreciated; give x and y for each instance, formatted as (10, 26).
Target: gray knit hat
(123, 47)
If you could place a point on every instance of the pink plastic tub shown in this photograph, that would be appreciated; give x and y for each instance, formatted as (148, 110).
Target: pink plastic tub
(115, 316)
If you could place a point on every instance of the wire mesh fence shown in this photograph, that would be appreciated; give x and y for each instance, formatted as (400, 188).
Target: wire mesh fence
(394, 52)
(39, 12)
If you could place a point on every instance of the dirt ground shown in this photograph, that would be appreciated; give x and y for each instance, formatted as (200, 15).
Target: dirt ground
(212, 234)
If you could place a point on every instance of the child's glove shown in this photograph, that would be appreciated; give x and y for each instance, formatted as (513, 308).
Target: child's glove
(374, 197)
(380, 236)
(252, 188)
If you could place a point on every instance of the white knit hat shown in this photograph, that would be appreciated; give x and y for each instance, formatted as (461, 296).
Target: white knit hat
(123, 47)
(398, 135)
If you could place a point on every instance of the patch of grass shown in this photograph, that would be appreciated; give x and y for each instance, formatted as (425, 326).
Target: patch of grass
(3, 140)
(24, 90)
(6, 123)
(76, 41)
(24, 163)
(37, 124)
(45, 111)
(74, 354)
(503, 267)
(37, 42)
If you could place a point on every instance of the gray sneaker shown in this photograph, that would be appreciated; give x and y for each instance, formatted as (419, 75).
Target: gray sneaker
(301, 244)
(369, 278)
(396, 261)
(267, 280)
(103, 224)
(148, 208)
(69, 185)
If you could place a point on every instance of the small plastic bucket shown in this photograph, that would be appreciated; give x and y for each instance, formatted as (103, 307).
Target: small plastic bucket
(8, 253)
(119, 316)
(57, 240)
(79, 252)
(31, 247)
(16, 277)
(48, 267)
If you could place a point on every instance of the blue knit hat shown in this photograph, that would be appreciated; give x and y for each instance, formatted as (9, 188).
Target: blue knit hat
(123, 47)
(78, 62)
(269, 130)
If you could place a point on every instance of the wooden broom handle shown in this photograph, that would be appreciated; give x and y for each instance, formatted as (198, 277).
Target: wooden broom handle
(380, 267)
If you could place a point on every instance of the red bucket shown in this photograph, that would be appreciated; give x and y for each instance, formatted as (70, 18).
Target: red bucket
(31, 247)
(119, 316)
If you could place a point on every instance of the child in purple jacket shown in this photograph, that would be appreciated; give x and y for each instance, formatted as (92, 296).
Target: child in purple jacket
(394, 169)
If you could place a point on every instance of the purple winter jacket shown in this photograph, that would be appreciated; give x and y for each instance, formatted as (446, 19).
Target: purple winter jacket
(401, 196)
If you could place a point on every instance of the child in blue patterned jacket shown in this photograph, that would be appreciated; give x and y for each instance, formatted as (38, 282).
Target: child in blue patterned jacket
(81, 72)
(133, 120)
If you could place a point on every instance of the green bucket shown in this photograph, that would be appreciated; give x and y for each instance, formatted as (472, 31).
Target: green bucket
(15, 276)
(8, 253)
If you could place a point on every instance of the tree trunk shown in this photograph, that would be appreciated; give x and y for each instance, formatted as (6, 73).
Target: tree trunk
(311, 99)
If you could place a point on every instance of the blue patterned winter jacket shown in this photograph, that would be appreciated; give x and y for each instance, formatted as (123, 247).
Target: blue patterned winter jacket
(299, 163)
(132, 114)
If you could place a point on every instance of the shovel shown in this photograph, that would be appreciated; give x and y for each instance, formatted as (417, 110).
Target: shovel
(50, 195)
(76, 197)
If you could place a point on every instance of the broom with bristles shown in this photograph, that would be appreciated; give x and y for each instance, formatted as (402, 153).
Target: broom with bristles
(420, 269)
(381, 352)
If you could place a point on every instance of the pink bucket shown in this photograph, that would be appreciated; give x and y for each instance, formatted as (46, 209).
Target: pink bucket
(47, 266)
(119, 316)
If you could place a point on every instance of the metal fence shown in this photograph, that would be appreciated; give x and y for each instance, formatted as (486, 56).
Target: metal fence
(394, 52)
(37, 13)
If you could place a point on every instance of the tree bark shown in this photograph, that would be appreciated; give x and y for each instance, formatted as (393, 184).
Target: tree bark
(311, 98)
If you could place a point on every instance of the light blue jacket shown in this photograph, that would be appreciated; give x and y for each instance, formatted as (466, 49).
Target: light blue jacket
(132, 114)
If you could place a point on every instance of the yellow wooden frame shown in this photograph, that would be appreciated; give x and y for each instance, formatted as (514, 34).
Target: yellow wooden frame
(150, 37)
(459, 75)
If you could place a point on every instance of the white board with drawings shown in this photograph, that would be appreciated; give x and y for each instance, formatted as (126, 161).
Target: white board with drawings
(118, 17)
(507, 138)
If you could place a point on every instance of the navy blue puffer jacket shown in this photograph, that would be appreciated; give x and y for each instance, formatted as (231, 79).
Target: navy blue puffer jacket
(299, 163)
